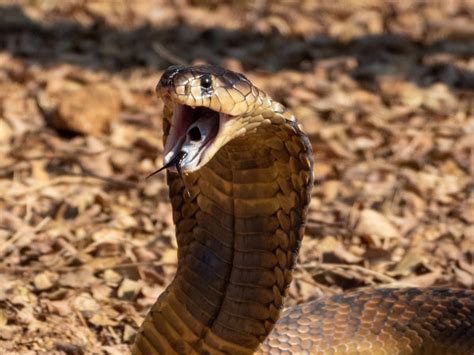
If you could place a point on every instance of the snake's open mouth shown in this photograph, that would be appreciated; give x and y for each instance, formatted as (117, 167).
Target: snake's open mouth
(192, 132)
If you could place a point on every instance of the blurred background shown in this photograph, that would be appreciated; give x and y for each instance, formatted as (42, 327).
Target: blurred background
(384, 89)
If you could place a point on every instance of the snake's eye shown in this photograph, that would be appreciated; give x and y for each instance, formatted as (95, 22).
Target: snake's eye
(206, 81)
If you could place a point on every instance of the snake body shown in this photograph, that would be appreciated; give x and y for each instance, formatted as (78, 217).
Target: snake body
(240, 178)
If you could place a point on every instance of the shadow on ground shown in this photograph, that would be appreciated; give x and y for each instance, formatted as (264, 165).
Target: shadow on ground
(102, 47)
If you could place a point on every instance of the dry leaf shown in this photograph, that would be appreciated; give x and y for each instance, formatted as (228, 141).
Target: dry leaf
(128, 289)
(412, 259)
(376, 227)
(45, 281)
(6, 134)
(101, 320)
(388, 115)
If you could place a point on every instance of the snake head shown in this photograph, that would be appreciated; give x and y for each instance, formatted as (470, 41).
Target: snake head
(209, 106)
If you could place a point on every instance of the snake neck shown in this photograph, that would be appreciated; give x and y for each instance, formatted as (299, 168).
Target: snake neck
(239, 223)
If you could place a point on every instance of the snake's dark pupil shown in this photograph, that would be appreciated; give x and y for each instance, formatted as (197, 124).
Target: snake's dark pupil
(206, 81)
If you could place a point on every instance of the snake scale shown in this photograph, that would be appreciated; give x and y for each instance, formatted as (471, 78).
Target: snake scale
(240, 178)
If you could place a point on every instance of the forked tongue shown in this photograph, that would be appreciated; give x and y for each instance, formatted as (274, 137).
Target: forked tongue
(175, 161)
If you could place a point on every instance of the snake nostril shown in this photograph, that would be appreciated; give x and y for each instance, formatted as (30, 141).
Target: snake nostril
(166, 80)
(169, 74)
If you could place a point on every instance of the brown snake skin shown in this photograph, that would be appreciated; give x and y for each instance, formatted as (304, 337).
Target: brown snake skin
(240, 219)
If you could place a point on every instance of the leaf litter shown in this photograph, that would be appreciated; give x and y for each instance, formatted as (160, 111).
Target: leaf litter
(383, 88)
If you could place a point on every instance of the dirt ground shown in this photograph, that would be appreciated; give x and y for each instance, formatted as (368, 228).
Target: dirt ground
(383, 88)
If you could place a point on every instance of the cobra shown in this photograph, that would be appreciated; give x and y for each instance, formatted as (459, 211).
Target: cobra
(240, 178)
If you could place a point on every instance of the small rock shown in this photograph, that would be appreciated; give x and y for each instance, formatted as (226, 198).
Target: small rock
(88, 110)
(129, 289)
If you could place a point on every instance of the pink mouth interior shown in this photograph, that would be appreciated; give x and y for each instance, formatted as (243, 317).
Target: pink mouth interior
(192, 131)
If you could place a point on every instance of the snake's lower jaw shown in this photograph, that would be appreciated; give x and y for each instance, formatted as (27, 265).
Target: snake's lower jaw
(195, 136)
